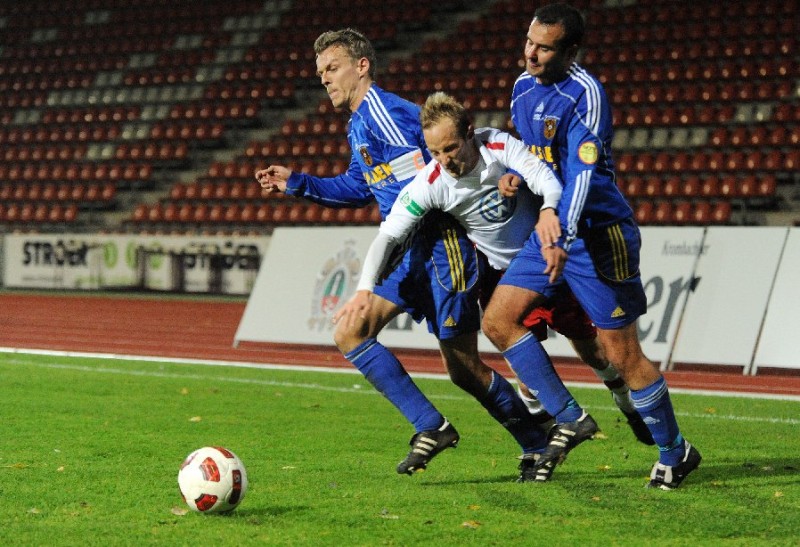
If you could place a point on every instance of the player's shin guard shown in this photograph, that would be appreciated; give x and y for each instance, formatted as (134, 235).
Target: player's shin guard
(655, 407)
(382, 369)
(505, 406)
(533, 366)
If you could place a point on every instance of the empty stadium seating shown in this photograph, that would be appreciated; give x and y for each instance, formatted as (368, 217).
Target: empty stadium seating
(100, 100)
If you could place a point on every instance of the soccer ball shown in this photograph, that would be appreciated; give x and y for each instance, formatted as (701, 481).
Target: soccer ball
(212, 479)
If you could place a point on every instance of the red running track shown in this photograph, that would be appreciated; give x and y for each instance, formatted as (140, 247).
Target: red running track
(162, 326)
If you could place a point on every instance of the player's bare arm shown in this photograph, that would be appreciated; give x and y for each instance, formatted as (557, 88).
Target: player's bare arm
(274, 178)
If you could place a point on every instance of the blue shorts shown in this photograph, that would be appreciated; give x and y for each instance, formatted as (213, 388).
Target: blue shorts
(437, 278)
(602, 270)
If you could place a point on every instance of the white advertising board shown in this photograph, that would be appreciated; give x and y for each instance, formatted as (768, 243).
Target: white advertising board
(724, 314)
(308, 272)
(87, 261)
(779, 345)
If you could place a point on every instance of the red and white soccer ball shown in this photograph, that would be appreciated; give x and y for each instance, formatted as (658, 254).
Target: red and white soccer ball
(212, 479)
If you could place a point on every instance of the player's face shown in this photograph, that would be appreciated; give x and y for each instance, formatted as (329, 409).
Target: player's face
(341, 75)
(543, 59)
(457, 155)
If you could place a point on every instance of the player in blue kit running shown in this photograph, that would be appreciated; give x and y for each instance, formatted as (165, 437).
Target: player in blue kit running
(562, 113)
(434, 277)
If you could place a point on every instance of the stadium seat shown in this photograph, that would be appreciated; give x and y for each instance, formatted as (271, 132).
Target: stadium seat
(633, 187)
(170, 213)
(264, 214)
(709, 187)
(248, 213)
(728, 187)
(216, 214)
(672, 187)
(140, 212)
(721, 212)
(681, 212)
(652, 187)
(644, 212)
(662, 214)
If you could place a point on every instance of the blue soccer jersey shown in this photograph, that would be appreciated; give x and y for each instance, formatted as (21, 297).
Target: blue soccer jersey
(436, 277)
(568, 125)
(387, 147)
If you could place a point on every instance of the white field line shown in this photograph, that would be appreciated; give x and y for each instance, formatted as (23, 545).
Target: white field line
(356, 388)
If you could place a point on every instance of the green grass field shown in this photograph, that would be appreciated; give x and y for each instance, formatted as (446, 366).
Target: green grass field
(90, 450)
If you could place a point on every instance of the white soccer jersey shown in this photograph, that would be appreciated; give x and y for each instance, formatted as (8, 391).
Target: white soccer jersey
(498, 226)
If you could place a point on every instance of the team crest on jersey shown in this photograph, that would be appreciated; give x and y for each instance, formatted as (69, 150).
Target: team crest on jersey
(365, 155)
(550, 127)
(336, 282)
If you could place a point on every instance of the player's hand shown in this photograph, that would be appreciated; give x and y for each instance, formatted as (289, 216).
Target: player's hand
(273, 178)
(509, 185)
(556, 258)
(548, 227)
(356, 308)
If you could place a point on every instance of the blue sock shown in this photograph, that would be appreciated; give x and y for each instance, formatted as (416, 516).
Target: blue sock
(382, 369)
(655, 407)
(533, 366)
(505, 406)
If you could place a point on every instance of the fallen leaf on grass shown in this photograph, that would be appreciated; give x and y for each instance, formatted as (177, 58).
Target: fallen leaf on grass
(179, 511)
(471, 524)
(600, 435)
(60, 468)
(184, 391)
(34, 511)
(778, 494)
(195, 419)
(474, 507)
(386, 515)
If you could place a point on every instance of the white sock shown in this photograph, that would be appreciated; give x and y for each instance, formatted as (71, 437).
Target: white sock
(619, 389)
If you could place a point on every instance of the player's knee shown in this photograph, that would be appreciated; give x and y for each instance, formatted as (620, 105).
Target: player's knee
(492, 326)
(346, 338)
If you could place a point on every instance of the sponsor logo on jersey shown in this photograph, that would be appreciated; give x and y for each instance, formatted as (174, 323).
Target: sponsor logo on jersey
(550, 127)
(495, 207)
(365, 155)
(379, 174)
(587, 152)
(537, 114)
(336, 281)
(545, 153)
(450, 322)
(410, 205)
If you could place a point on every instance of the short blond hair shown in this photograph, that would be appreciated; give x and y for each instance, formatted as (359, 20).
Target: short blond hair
(439, 106)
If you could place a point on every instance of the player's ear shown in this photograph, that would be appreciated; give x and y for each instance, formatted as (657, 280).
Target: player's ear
(363, 66)
(470, 131)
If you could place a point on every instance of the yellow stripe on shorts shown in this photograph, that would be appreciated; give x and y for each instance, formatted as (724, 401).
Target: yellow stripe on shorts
(619, 252)
(455, 259)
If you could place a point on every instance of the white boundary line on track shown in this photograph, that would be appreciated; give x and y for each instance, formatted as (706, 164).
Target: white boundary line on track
(306, 368)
